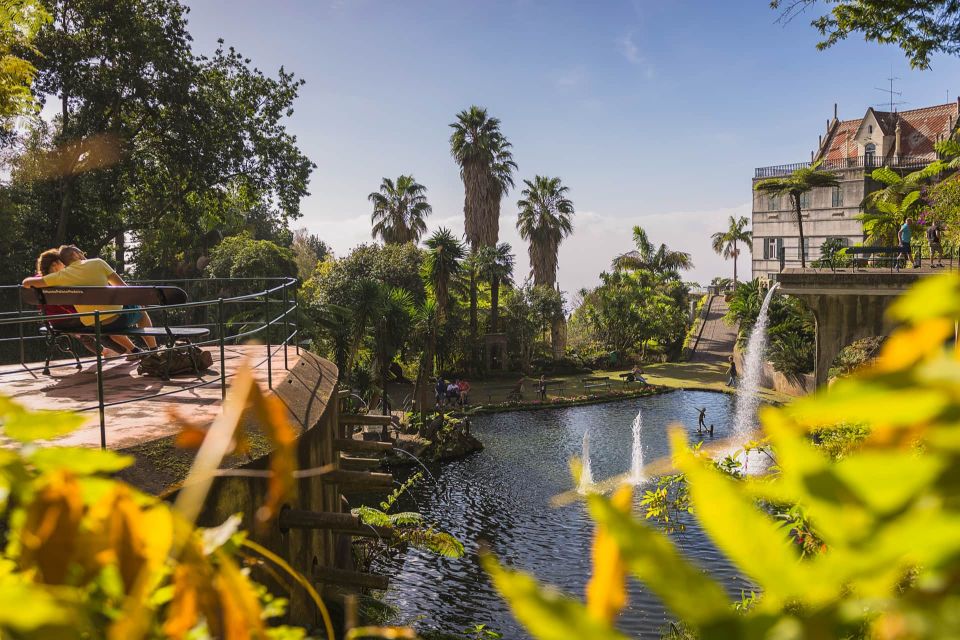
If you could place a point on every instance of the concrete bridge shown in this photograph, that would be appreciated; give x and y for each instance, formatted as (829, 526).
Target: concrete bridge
(848, 305)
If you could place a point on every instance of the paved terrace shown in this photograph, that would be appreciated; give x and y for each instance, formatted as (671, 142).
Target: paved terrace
(143, 420)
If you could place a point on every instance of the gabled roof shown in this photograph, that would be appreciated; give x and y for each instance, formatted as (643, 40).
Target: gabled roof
(920, 129)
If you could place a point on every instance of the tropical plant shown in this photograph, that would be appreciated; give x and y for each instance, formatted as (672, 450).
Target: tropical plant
(838, 546)
(442, 264)
(486, 168)
(792, 354)
(883, 219)
(544, 220)
(495, 264)
(20, 21)
(660, 260)
(795, 185)
(392, 312)
(400, 209)
(725, 242)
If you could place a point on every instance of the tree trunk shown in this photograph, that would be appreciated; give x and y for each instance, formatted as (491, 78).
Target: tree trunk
(557, 337)
(473, 319)
(734, 264)
(494, 305)
(423, 388)
(120, 253)
(803, 257)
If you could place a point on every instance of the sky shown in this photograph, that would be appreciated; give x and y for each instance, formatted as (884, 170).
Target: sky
(652, 113)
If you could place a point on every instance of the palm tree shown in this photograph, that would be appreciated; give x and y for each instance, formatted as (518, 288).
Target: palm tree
(400, 210)
(882, 218)
(725, 242)
(897, 187)
(486, 168)
(660, 260)
(796, 184)
(442, 263)
(496, 265)
(545, 219)
(391, 324)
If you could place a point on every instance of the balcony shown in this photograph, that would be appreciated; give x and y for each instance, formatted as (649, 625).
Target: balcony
(859, 162)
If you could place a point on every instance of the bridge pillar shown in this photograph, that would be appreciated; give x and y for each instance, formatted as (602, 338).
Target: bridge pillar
(842, 320)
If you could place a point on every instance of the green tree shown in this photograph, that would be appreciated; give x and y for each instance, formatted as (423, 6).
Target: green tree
(486, 164)
(20, 20)
(495, 264)
(920, 28)
(443, 262)
(392, 313)
(544, 220)
(660, 260)
(400, 209)
(725, 242)
(308, 250)
(795, 185)
(243, 257)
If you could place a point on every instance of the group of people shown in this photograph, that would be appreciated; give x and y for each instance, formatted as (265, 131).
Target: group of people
(934, 239)
(452, 392)
(68, 266)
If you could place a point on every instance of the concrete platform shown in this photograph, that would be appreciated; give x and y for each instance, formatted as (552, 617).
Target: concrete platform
(138, 421)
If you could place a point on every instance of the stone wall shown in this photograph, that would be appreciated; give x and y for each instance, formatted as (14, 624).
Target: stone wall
(773, 379)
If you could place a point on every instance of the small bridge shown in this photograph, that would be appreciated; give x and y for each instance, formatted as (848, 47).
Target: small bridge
(848, 305)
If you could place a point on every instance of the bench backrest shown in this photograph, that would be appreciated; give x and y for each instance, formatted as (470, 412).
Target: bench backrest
(868, 250)
(72, 296)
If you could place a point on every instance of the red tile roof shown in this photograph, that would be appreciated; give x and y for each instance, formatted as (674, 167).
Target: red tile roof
(920, 129)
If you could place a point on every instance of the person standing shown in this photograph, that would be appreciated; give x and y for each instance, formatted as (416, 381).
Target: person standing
(934, 240)
(542, 389)
(904, 237)
(701, 420)
(731, 373)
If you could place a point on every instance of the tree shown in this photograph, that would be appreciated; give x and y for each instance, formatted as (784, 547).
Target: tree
(796, 184)
(882, 219)
(495, 264)
(544, 220)
(443, 262)
(20, 20)
(486, 168)
(919, 27)
(660, 260)
(308, 250)
(400, 210)
(392, 313)
(725, 242)
(243, 257)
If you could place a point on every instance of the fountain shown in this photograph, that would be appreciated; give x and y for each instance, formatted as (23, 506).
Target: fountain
(636, 455)
(586, 473)
(748, 389)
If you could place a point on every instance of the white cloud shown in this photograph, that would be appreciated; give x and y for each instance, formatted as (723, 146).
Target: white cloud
(631, 52)
(569, 78)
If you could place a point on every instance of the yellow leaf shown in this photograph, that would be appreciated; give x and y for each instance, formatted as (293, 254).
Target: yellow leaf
(239, 606)
(607, 590)
(275, 421)
(48, 537)
(912, 344)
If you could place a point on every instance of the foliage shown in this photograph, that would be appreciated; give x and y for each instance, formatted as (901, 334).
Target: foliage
(308, 250)
(855, 355)
(544, 220)
(528, 312)
(832, 254)
(241, 256)
(881, 558)
(725, 242)
(943, 206)
(495, 264)
(792, 354)
(660, 260)
(20, 20)
(920, 28)
(400, 209)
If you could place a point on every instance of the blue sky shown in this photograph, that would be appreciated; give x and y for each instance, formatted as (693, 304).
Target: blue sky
(653, 113)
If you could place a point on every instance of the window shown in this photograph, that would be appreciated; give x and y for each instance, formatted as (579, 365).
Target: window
(772, 247)
(805, 200)
(869, 152)
(837, 199)
(870, 128)
(773, 203)
(806, 246)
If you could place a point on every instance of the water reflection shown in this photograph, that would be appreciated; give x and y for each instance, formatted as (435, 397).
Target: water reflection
(502, 494)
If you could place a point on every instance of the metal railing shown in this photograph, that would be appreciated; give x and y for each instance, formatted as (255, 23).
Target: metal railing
(857, 162)
(231, 316)
(891, 260)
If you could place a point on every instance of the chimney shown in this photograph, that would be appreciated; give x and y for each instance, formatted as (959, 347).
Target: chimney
(834, 110)
(819, 141)
(896, 143)
(828, 126)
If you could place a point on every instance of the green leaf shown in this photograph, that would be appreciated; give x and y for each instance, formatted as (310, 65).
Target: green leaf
(27, 608)
(933, 297)
(545, 612)
(83, 462)
(689, 592)
(27, 426)
(909, 200)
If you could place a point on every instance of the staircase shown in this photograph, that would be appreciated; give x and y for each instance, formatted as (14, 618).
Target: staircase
(717, 338)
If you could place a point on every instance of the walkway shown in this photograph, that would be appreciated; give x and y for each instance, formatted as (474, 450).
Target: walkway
(717, 339)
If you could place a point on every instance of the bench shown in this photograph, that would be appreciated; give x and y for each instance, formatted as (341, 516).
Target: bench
(890, 252)
(145, 296)
(595, 381)
(627, 378)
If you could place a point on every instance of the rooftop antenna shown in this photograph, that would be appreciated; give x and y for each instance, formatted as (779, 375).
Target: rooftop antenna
(892, 93)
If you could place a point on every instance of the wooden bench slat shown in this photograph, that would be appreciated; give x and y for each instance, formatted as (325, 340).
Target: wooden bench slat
(72, 296)
(156, 332)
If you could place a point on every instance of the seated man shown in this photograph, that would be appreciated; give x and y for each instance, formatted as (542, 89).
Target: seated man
(78, 271)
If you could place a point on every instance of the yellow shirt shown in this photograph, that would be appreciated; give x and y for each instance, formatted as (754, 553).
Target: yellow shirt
(85, 273)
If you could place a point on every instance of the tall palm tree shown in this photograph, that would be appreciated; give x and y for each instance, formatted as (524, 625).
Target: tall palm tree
(495, 264)
(795, 185)
(486, 168)
(545, 219)
(660, 260)
(725, 242)
(443, 262)
(400, 210)
(390, 327)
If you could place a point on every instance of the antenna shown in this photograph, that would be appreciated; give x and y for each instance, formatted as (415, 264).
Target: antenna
(892, 93)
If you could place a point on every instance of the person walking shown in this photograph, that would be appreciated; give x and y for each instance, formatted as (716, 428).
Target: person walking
(542, 389)
(904, 237)
(701, 420)
(731, 373)
(934, 240)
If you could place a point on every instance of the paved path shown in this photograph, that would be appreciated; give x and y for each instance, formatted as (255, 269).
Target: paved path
(718, 337)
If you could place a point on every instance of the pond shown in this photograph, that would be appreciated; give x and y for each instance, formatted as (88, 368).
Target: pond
(501, 496)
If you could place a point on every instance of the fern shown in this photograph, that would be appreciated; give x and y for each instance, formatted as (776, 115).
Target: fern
(405, 518)
(372, 516)
(435, 541)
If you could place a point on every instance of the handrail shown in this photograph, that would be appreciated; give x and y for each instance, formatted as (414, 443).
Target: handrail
(284, 306)
(855, 162)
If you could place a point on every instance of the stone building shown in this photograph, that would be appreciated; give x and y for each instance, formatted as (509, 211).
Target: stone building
(852, 149)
